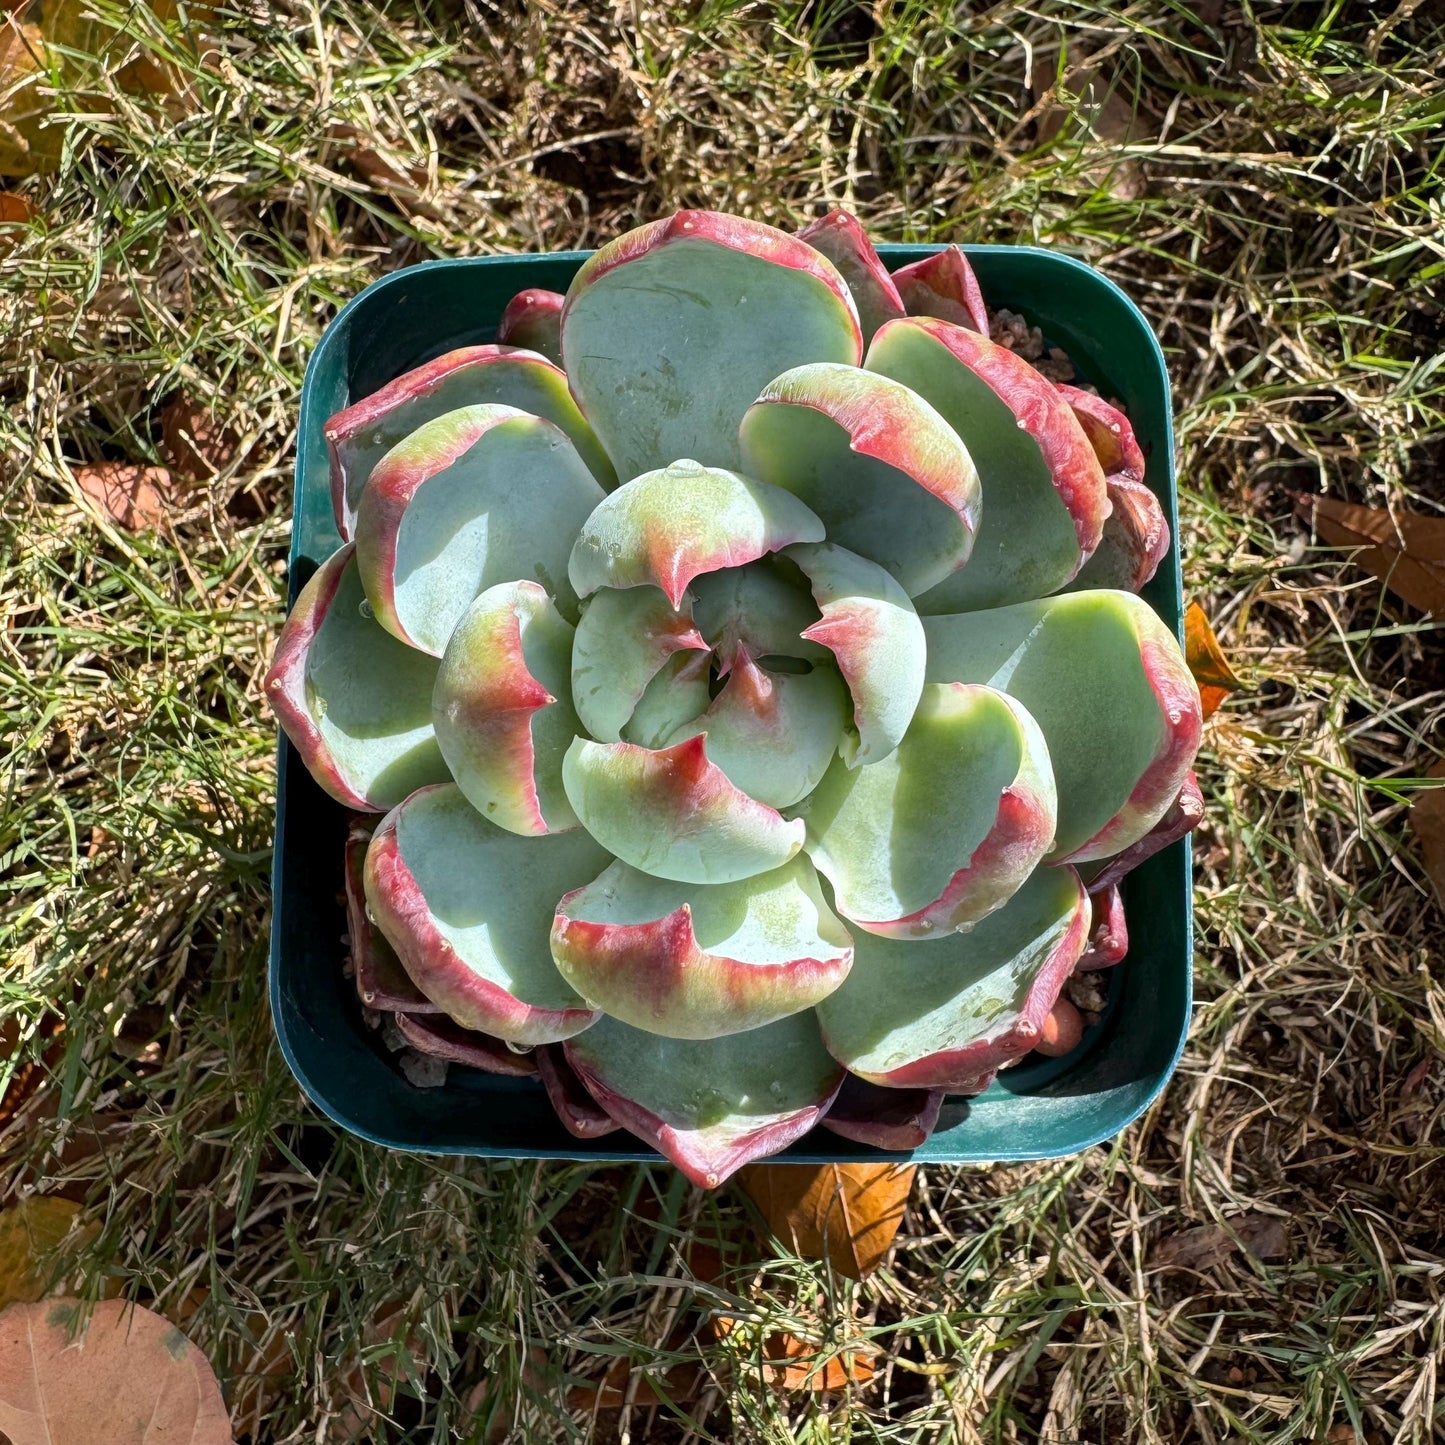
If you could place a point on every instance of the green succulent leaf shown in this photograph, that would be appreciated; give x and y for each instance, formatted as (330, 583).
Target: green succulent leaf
(697, 961)
(671, 331)
(443, 1038)
(1135, 539)
(710, 1105)
(869, 626)
(624, 638)
(467, 906)
(1110, 690)
(533, 319)
(381, 982)
(772, 733)
(360, 436)
(944, 829)
(680, 692)
(890, 478)
(666, 527)
(674, 813)
(943, 285)
(1044, 499)
(946, 1012)
(898, 1119)
(502, 708)
(367, 746)
(764, 607)
(480, 496)
(843, 241)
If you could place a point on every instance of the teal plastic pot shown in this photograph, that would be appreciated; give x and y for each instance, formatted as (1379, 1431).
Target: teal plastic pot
(1037, 1110)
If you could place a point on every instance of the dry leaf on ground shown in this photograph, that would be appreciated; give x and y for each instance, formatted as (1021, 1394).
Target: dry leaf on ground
(133, 496)
(846, 1213)
(1206, 660)
(193, 443)
(1427, 819)
(361, 1405)
(29, 1230)
(382, 170)
(129, 1375)
(1405, 550)
(27, 145)
(791, 1363)
(621, 1385)
(1265, 1236)
(16, 210)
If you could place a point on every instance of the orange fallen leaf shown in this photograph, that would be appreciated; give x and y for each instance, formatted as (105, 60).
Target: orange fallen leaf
(16, 210)
(1427, 821)
(846, 1213)
(1206, 660)
(791, 1363)
(796, 1368)
(132, 495)
(128, 1375)
(1405, 550)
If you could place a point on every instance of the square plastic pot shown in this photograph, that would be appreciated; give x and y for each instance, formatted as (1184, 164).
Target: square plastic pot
(1036, 1110)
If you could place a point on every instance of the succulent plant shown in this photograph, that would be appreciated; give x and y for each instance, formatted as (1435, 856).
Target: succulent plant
(746, 654)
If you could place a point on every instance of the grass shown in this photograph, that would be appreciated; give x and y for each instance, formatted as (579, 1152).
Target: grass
(1266, 180)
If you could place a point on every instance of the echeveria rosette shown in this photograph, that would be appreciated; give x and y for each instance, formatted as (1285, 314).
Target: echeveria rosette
(742, 775)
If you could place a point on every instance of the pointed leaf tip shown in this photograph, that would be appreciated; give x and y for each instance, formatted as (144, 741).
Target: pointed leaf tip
(710, 1105)
(944, 286)
(1207, 661)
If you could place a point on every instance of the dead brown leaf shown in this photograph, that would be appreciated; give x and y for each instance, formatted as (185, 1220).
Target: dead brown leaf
(382, 169)
(128, 1375)
(361, 1404)
(27, 145)
(622, 1385)
(132, 495)
(29, 1230)
(846, 1213)
(1265, 1236)
(194, 444)
(1415, 1079)
(1427, 820)
(1405, 550)
(81, 47)
(91, 42)
(16, 210)
(30, 1073)
(1206, 660)
(792, 1364)
(1105, 113)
